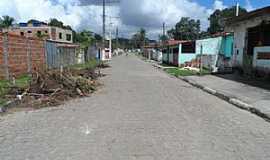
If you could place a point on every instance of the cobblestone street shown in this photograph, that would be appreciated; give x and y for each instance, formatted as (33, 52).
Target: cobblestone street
(140, 113)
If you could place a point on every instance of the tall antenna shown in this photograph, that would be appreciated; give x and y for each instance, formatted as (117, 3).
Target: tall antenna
(237, 9)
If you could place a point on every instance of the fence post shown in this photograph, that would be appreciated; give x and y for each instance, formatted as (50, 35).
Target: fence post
(201, 63)
(5, 51)
(29, 57)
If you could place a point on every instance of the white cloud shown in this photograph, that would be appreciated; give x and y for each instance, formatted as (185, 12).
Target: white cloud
(43, 10)
(149, 14)
(218, 4)
(152, 13)
(249, 6)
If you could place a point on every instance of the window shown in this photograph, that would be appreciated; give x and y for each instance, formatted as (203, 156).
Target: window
(189, 47)
(68, 37)
(22, 33)
(29, 31)
(46, 31)
(60, 35)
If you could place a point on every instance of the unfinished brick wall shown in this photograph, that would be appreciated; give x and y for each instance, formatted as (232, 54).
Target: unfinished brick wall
(2, 71)
(23, 55)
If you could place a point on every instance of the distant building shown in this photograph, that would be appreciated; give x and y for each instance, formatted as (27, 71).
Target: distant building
(42, 30)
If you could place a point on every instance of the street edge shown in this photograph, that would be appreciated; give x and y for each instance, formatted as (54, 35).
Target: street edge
(232, 100)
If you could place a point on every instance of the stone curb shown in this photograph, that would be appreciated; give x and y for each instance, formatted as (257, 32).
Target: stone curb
(232, 100)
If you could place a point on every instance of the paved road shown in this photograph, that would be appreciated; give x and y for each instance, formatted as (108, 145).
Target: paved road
(140, 114)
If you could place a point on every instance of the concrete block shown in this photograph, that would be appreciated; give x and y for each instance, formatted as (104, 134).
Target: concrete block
(210, 90)
(240, 104)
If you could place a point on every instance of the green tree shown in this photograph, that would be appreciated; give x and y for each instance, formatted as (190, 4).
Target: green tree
(6, 21)
(98, 38)
(135, 40)
(163, 38)
(204, 34)
(85, 38)
(185, 29)
(218, 18)
(139, 39)
(142, 36)
(56, 23)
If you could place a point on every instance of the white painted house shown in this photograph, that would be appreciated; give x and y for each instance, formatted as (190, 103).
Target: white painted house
(251, 49)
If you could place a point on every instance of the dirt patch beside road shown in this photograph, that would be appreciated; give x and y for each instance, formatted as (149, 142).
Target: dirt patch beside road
(54, 87)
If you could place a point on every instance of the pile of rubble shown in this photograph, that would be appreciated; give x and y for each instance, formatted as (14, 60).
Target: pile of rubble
(53, 87)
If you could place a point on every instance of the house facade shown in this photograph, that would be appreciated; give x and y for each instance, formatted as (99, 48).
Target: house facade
(216, 53)
(251, 49)
(178, 52)
(213, 53)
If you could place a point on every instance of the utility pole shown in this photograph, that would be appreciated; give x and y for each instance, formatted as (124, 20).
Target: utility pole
(163, 38)
(201, 62)
(110, 43)
(104, 23)
(163, 29)
(116, 36)
(164, 34)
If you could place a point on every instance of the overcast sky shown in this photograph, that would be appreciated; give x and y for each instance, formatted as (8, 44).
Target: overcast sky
(132, 14)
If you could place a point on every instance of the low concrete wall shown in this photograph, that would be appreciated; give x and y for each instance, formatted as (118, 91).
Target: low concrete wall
(261, 58)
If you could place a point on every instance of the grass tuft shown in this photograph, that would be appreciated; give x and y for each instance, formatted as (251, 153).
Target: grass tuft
(183, 72)
(91, 64)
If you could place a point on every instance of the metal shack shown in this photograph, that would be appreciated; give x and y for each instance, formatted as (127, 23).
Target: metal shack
(60, 54)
